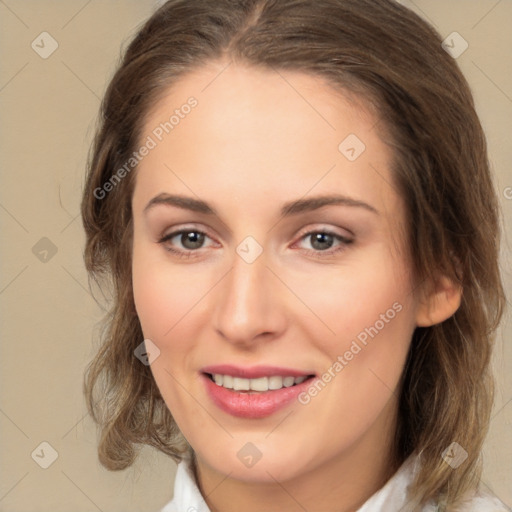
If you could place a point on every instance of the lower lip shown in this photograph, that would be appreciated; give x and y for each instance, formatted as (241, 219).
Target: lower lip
(254, 404)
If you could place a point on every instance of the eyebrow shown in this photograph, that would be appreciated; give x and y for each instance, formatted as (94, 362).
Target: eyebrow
(287, 210)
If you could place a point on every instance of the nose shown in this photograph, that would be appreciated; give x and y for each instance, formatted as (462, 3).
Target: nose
(248, 304)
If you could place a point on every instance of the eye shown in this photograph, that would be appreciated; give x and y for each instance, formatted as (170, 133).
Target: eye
(322, 242)
(191, 240)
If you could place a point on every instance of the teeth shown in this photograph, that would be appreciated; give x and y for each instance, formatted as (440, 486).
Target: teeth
(259, 384)
(227, 381)
(275, 382)
(288, 381)
(241, 384)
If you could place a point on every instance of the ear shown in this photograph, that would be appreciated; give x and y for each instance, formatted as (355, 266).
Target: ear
(439, 300)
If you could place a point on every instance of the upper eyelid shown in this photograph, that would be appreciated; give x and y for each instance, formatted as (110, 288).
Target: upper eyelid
(179, 230)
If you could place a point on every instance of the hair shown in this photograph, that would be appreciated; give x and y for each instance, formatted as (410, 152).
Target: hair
(394, 61)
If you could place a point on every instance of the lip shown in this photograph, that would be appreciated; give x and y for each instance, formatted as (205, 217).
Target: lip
(254, 372)
(253, 405)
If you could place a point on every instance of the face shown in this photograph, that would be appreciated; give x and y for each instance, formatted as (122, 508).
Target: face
(250, 275)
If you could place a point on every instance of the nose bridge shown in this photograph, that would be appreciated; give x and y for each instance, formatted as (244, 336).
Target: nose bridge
(245, 307)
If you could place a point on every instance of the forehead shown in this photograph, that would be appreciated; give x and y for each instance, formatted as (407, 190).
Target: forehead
(257, 133)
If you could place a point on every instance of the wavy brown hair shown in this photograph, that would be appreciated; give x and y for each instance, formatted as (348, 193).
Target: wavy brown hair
(394, 61)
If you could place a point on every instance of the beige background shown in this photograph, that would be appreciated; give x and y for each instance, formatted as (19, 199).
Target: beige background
(48, 109)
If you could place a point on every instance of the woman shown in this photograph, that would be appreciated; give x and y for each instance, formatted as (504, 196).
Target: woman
(294, 204)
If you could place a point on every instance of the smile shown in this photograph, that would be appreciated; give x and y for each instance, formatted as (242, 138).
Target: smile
(261, 384)
(253, 392)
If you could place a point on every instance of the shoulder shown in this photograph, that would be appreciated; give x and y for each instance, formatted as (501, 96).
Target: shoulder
(483, 503)
(394, 495)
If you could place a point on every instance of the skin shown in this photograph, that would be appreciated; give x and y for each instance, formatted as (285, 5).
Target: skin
(251, 144)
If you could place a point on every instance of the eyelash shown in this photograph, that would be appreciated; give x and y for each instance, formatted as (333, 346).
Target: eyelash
(311, 252)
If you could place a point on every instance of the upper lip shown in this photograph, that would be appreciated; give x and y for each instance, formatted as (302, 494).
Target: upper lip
(254, 372)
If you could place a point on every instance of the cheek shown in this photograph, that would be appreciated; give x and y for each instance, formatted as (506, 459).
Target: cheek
(172, 306)
(165, 302)
(153, 300)
(163, 293)
(376, 348)
(369, 293)
(370, 309)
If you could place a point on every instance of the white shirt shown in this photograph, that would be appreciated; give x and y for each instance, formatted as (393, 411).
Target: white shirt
(390, 498)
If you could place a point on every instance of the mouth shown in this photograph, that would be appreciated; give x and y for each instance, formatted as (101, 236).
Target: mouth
(256, 397)
(257, 385)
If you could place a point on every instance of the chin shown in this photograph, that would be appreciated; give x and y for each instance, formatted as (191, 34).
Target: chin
(265, 464)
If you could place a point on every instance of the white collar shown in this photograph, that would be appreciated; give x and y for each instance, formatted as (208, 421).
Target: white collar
(390, 498)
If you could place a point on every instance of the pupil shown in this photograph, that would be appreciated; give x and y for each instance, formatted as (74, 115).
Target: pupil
(320, 237)
(195, 239)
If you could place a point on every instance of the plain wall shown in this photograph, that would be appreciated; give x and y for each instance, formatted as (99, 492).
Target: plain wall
(48, 328)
